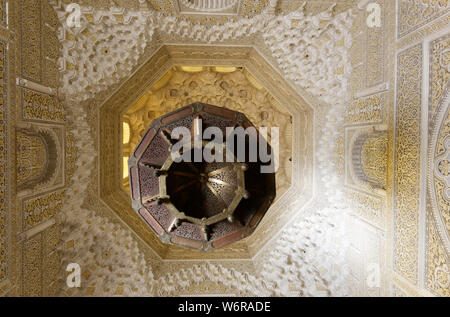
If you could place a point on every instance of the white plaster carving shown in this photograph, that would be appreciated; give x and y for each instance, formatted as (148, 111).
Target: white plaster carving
(307, 254)
(311, 50)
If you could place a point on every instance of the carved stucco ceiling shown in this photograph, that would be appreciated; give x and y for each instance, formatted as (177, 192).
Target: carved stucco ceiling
(115, 60)
(230, 87)
(149, 94)
(127, 42)
(309, 45)
(116, 42)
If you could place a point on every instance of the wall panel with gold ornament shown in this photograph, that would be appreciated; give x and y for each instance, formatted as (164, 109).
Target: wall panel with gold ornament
(407, 162)
(33, 144)
(415, 14)
(420, 239)
(362, 143)
(39, 49)
(9, 216)
(4, 166)
(376, 45)
(437, 231)
(41, 263)
(39, 158)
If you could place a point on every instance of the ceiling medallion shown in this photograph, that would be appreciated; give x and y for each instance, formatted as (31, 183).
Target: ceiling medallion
(194, 200)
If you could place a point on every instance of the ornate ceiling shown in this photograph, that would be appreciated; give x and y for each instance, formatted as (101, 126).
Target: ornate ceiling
(156, 79)
(363, 114)
(231, 87)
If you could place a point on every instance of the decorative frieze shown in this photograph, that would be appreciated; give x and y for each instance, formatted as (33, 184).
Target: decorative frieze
(407, 184)
(42, 208)
(41, 107)
(32, 267)
(3, 163)
(365, 111)
(413, 14)
(437, 269)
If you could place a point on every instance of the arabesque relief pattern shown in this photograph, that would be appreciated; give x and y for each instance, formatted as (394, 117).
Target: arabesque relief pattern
(4, 250)
(31, 158)
(30, 50)
(407, 162)
(413, 14)
(438, 206)
(426, 272)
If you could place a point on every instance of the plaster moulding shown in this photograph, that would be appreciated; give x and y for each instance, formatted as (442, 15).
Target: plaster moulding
(112, 191)
(311, 50)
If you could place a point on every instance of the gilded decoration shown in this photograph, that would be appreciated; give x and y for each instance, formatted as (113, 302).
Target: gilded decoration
(32, 158)
(362, 134)
(438, 269)
(102, 4)
(357, 54)
(39, 156)
(30, 50)
(39, 209)
(414, 14)
(40, 46)
(41, 263)
(365, 110)
(407, 162)
(42, 107)
(3, 163)
(51, 241)
(367, 206)
(374, 160)
(30, 23)
(366, 172)
(375, 49)
(32, 267)
(71, 156)
(369, 51)
(438, 213)
(3, 15)
(100, 78)
(440, 72)
(315, 5)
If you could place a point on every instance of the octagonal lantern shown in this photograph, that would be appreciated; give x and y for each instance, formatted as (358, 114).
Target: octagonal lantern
(192, 201)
